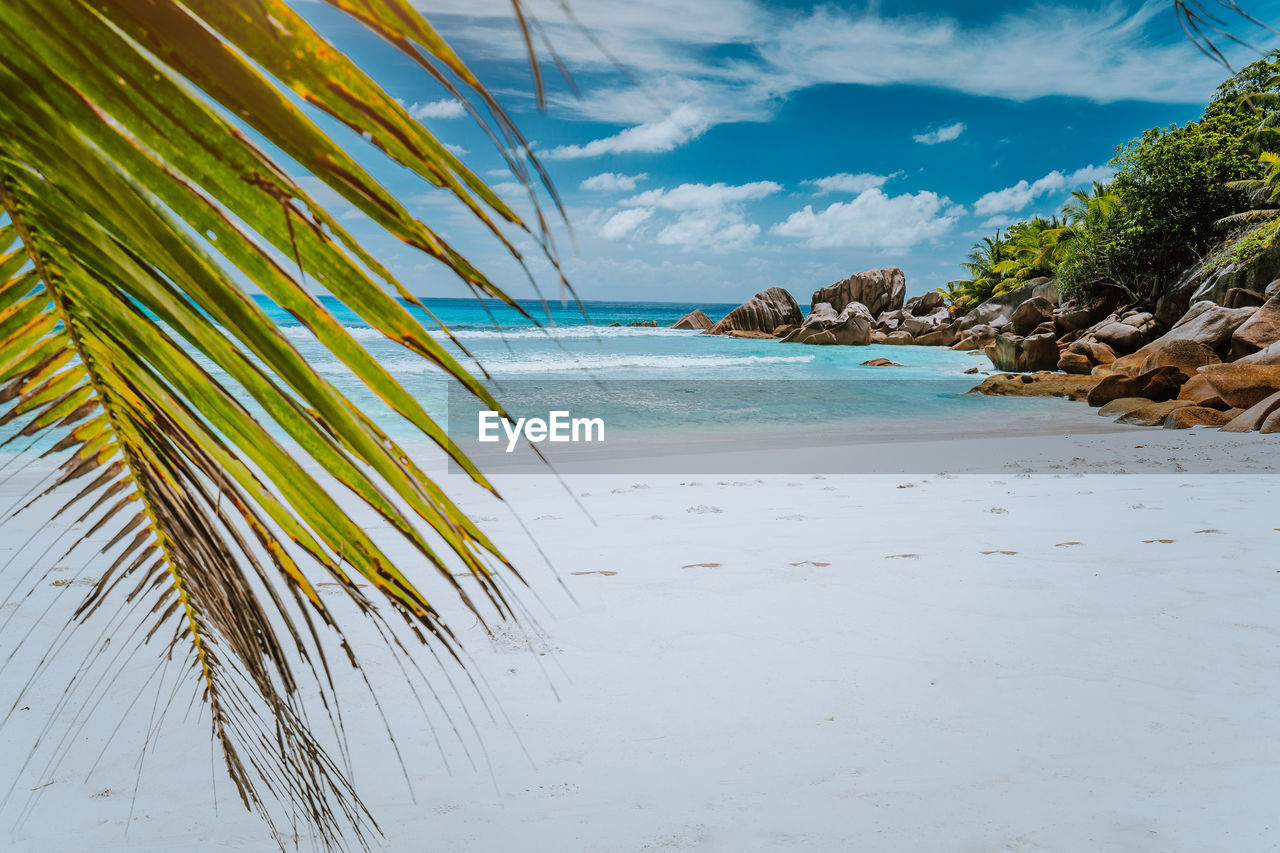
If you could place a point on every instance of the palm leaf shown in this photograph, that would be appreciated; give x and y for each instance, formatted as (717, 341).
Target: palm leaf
(129, 351)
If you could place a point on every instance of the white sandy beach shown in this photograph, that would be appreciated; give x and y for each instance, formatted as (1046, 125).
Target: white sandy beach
(1070, 660)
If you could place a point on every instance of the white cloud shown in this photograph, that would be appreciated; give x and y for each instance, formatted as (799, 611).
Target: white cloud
(613, 182)
(873, 220)
(623, 223)
(942, 134)
(455, 150)
(1108, 52)
(681, 125)
(695, 196)
(1021, 194)
(847, 183)
(443, 108)
(709, 230)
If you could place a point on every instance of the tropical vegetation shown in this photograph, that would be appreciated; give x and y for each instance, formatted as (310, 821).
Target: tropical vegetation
(1173, 192)
(136, 211)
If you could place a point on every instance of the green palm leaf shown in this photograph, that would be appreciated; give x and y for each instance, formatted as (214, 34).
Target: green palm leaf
(128, 201)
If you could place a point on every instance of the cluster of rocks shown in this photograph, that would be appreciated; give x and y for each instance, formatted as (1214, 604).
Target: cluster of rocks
(1207, 353)
(865, 308)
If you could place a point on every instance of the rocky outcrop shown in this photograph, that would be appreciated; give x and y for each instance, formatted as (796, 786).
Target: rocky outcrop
(1159, 385)
(998, 310)
(764, 312)
(1259, 331)
(880, 362)
(1016, 353)
(851, 327)
(1037, 385)
(899, 339)
(1242, 385)
(1083, 356)
(879, 290)
(695, 319)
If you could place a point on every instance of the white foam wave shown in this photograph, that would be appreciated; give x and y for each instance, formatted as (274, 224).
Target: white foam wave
(582, 332)
(681, 363)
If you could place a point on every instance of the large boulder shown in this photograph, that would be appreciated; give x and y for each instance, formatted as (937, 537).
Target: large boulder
(1122, 406)
(1198, 390)
(1270, 355)
(764, 312)
(925, 303)
(695, 319)
(1152, 414)
(1210, 324)
(899, 339)
(1121, 337)
(851, 327)
(1242, 385)
(943, 336)
(1238, 297)
(1186, 355)
(1030, 314)
(1159, 385)
(879, 290)
(1259, 331)
(922, 325)
(1194, 416)
(1073, 316)
(1255, 416)
(1074, 362)
(1036, 385)
(1016, 353)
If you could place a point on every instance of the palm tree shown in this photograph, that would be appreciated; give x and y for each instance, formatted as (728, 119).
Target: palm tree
(986, 264)
(134, 206)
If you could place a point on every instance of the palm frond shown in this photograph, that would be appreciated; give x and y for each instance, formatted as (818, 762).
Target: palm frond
(131, 355)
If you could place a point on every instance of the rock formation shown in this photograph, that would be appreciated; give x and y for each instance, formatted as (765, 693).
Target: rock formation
(695, 319)
(763, 313)
(879, 290)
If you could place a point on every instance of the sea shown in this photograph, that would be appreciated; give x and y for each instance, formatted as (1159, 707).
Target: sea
(679, 385)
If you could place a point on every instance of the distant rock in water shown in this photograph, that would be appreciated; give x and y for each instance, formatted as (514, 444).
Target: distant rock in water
(643, 323)
(851, 327)
(879, 290)
(884, 362)
(764, 312)
(695, 319)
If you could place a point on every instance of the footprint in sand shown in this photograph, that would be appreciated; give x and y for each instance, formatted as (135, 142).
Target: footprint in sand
(902, 557)
(790, 518)
(1006, 553)
(998, 510)
(702, 509)
(547, 518)
(906, 485)
(1161, 541)
(1067, 544)
(607, 574)
(702, 566)
(617, 491)
(811, 563)
(1209, 530)
(654, 518)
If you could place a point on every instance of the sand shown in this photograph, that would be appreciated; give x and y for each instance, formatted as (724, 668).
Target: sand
(1069, 659)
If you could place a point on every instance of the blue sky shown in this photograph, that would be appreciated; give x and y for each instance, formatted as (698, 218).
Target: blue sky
(754, 143)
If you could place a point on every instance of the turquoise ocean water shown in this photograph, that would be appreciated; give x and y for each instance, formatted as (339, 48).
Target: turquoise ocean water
(686, 380)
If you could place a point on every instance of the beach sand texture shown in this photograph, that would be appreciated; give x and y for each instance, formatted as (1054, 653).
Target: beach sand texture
(1069, 660)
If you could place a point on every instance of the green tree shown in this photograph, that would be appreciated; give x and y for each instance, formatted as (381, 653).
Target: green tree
(133, 207)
